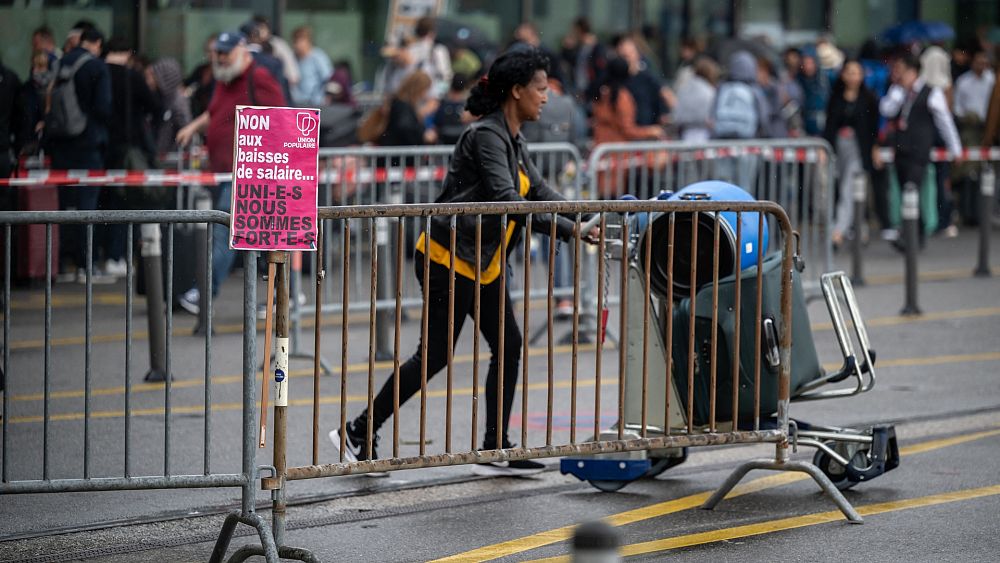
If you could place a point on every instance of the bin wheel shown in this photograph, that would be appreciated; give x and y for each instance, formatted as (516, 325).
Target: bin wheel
(608, 486)
(834, 470)
(661, 464)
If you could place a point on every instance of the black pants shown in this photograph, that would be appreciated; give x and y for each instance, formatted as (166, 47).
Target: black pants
(912, 169)
(72, 238)
(437, 346)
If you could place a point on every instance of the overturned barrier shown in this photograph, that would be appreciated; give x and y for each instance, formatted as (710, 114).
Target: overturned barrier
(668, 419)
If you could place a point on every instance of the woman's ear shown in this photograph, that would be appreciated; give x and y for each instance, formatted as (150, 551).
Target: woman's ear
(516, 90)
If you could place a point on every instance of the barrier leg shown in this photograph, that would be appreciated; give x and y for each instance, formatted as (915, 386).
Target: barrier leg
(860, 200)
(987, 187)
(151, 251)
(910, 212)
(804, 467)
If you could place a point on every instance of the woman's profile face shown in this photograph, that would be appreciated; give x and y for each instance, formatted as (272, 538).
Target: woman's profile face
(533, 96)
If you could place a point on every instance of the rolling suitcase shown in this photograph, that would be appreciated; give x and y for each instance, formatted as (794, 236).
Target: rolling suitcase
(805, 362)
(30, 239)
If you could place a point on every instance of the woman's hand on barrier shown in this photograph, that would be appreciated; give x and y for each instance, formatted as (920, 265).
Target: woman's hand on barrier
(593, 236)
(877, 157)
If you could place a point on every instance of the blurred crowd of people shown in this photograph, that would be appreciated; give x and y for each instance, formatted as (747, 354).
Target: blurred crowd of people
(96, 104)
(908, 97)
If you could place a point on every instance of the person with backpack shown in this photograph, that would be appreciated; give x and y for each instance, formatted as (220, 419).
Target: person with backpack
(238, 82)
(741, 112)
(76, 136)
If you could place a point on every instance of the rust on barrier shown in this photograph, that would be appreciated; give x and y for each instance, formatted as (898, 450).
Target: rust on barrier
(586, 448)
(690, 434)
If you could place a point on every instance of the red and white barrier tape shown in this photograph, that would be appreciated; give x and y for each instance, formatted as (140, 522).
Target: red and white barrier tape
(115, 178)
(970, 154)
(366, 175)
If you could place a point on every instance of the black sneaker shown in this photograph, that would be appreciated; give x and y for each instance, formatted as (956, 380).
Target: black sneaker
(516, 468)
(356, 449)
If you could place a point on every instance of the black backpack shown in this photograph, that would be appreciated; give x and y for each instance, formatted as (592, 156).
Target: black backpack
(65, 118)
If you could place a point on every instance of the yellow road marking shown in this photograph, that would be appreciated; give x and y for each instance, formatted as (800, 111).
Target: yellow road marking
(945, 442)
(928, 360)
(513, 547)
(936, 275)
(926, 317)
(59, 301)
(556, 535)
(361, 367)
(792, 523)
(335, 320)
(35, 300)
(182, 329)
(306, 402)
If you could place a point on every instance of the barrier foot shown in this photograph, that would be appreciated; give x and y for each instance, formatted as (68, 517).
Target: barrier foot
(295, 553)
(804, 467)
(156, 376)
(268, 550)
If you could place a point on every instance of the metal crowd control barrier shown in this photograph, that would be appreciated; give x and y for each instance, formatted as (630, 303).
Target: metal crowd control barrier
(38, 424)
(448, 436)
(795, 173)
(355, 176)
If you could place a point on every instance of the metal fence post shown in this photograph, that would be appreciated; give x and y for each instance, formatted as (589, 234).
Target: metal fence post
(860, 200)
(151, 252)
(383, 315)
(987, 187)
(910, 213)
(280, 392)
(202, 255)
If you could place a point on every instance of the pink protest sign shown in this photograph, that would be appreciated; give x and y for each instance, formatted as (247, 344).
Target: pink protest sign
(274, 179)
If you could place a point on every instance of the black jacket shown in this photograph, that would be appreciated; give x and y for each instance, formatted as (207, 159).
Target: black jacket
(132, 104)
(404, 127)
(484, 168)
(862, 117)
(11, 116)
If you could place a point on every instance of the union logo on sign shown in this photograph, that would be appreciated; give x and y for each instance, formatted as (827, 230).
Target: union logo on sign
(306, 122)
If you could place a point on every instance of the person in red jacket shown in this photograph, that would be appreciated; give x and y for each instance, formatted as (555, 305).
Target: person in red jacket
(238, 82)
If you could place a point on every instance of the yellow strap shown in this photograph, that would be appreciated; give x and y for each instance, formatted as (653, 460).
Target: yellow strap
(439, 254)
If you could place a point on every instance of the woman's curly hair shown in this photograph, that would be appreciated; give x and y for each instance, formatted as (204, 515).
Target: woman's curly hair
(516, 66)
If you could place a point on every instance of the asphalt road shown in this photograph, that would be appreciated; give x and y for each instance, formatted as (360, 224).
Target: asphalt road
(937, 380)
